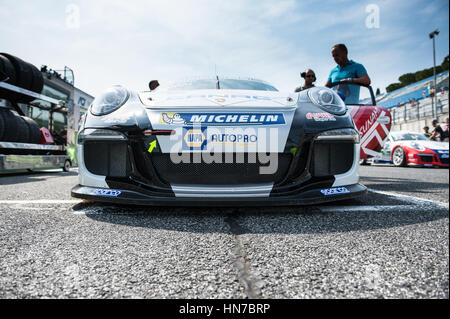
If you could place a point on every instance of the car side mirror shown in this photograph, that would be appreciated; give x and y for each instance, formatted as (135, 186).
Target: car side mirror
(153, 84)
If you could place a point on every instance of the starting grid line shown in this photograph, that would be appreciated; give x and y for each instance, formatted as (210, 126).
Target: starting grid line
(412, 203)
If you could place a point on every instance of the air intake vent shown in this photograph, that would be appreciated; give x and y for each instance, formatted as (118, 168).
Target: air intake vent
(107, 158)
(332, 158)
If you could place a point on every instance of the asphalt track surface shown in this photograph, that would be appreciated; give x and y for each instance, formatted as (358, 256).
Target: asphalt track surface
(391, 243)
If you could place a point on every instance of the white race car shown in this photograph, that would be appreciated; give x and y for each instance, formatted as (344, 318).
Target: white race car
(408, 148)
(219, 142)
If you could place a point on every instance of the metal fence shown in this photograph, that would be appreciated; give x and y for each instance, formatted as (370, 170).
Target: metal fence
(422, 109)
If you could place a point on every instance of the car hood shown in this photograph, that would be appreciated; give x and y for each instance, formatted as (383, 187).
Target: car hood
(429, 144)
(218, 98)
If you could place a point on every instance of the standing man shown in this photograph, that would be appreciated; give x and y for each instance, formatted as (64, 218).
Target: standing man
(347, 72)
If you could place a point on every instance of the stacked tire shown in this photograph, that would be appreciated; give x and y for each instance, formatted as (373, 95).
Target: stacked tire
(19, 73)
(15, 128)
(19, 129)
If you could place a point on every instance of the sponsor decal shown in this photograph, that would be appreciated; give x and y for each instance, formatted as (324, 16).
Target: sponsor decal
(243, 139)
(334, 191)
(370, 121)
(199, 138)
(441, 153)
(384, 120)
(194, 139)
(320, 117)
(172, 118)
(224, 119)
(106, 192)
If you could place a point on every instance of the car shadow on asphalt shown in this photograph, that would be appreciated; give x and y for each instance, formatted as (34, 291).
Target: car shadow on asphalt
(34, 176)
(267, 220)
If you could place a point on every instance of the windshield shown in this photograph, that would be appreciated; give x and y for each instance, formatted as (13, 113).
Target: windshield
(224, 84)
(408, 137)
(353, 94)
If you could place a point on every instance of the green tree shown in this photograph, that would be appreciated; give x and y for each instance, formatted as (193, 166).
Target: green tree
(393, 87)
(444, 64)
(407, 79)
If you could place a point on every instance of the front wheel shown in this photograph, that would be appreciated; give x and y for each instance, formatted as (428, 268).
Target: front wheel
(399, 158)
(66, 167)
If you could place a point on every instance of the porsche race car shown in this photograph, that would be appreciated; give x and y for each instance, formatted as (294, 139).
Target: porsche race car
(222, 142)
(408, 148)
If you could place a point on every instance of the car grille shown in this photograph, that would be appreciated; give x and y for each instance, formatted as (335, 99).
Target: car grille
(426, 158)
(218, 173)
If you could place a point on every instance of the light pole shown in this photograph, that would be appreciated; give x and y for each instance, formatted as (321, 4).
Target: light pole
(433, 100)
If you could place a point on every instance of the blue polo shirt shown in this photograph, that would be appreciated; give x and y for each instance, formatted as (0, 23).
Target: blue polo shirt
(350, 70)
(350, 92)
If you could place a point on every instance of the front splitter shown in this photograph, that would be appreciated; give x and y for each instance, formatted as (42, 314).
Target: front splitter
(127, 197)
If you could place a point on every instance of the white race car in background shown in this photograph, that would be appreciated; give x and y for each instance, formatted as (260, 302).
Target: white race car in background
(408, 148)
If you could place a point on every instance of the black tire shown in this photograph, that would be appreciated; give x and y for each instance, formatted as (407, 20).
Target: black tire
(24, 77)
(398, 157)
(10, 133)
(38, 80)
(67, 164)
(7, 71)
(2, 125)
(23, 130)
(33, 129)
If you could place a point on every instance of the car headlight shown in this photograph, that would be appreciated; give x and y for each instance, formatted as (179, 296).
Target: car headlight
(110, 100)
(327, 100)
(417, 146)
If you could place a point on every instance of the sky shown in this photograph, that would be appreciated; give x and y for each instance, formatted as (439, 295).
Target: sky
(110, 42)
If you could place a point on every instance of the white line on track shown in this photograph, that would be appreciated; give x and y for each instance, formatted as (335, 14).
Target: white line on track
(368, 208)
(412, 199)
(40, 201)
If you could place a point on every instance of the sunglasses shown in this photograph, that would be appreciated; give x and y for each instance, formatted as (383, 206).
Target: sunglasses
(310, 76)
